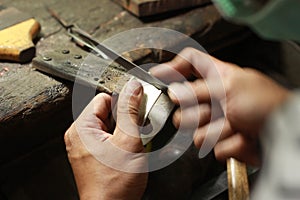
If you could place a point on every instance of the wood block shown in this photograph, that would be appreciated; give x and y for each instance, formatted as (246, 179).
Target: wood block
(143, 8)
(16, 41)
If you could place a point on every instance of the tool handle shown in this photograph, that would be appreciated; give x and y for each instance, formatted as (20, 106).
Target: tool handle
(16, 41)
(238, 187)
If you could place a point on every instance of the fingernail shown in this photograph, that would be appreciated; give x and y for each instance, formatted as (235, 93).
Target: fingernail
(154, 70)
(158, 69)
(176, 91)
(133, 87)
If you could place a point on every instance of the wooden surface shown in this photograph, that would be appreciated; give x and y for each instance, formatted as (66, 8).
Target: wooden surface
(16, 41)
(238, 186)
(144, 8)
(28, 95)
(36, 109)
(101, 18)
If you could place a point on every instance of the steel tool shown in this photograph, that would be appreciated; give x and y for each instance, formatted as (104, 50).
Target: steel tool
(82, 38)
(158, 107)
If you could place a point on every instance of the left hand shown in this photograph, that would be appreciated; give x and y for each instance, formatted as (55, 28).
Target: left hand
(91, 148)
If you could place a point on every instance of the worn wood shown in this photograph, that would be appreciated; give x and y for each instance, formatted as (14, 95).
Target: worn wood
(144, 8)
(36, 108)
(27, 95)
(24, 92)
(104, 18)
(238, 186)
(43, 173)
(198, 21)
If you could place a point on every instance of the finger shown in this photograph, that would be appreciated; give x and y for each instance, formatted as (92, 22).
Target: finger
(212, 133)
(90, 127)
(126, 134)
(239, 147)
(95, 114)
(189, 93)
(102, 105)
(171, 72)
(189, 62)
(188, 117)
(99, 107)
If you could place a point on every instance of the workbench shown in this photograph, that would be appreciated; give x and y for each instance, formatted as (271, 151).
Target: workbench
(35, 108)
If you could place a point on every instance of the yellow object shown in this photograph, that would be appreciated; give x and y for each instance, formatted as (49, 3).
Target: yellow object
(16, 41)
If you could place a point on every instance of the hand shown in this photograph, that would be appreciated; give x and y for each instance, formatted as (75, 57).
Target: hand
(103, 163)
(245, 96)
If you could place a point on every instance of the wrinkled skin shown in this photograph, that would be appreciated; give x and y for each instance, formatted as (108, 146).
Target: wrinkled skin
(246, 98)
(94, 179)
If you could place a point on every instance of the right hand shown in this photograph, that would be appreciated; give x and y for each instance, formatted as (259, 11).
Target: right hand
(246, 98)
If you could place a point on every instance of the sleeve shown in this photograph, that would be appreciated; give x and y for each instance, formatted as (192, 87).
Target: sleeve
(280, 175)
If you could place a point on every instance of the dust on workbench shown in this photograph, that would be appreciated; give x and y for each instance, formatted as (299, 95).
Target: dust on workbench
(35, 108)
(102, 18)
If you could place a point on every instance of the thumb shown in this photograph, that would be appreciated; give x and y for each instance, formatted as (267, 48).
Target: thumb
(126, 134)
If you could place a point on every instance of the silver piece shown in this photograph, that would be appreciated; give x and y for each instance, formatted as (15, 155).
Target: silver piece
(47, 58)
(65, 51)
(157, 110)
(77, 56)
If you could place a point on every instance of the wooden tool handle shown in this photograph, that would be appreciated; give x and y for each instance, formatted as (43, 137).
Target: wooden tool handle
(238, 187)
(16, 41)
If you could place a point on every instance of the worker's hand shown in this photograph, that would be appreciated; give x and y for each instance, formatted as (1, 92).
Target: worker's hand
(245, 98)
(103, 163)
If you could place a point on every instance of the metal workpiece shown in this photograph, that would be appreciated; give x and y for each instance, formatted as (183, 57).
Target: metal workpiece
(103, 76)
(83, 68)
(158, 108)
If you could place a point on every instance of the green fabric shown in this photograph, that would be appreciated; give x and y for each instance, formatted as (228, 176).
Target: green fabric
(277, 19)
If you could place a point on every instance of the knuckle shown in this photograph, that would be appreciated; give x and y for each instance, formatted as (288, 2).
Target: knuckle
(232, 80)
(98, 98)
(219, 154)
(188, 49)
(67, 137)
(74, 147)
(129, 106)
(187, 53)
(198, 138)
(128, 109)
(133, 110)
(240, 143)
(205, 112)
(229, 83)
(177, 118)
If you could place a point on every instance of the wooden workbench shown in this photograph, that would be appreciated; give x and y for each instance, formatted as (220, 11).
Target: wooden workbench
(35, 109)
